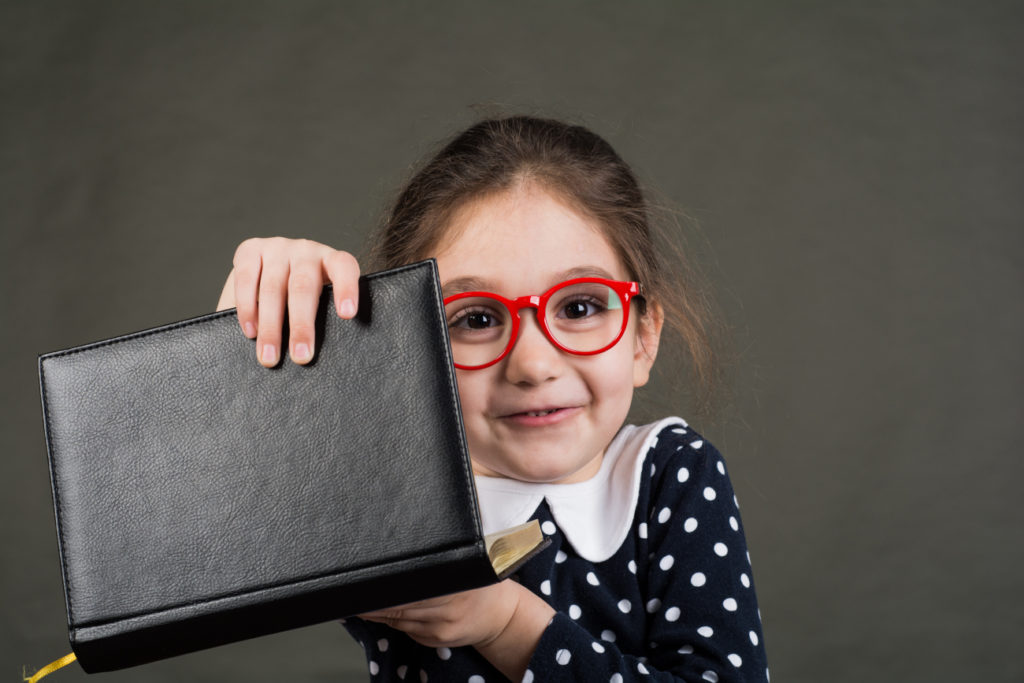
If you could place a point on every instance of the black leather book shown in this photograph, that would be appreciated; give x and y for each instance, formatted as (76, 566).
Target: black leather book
(202, 499)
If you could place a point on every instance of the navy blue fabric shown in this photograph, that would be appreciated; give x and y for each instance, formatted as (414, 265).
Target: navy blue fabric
(676, 601)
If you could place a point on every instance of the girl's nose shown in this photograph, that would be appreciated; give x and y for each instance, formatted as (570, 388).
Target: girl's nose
(533, 359)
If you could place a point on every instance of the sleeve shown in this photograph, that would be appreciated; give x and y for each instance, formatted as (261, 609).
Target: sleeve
(702, 618)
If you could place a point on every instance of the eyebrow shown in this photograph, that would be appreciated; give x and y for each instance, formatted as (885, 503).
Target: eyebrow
(479, 284)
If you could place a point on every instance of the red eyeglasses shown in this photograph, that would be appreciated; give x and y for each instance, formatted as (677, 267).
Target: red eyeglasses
(583, 316)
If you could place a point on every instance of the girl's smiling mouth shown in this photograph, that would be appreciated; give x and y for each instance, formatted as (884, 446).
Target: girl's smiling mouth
(540, 417)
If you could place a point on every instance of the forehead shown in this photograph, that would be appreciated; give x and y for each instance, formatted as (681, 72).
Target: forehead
(521, 240)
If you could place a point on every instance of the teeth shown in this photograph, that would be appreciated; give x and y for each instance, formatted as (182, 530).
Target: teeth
(539, 413)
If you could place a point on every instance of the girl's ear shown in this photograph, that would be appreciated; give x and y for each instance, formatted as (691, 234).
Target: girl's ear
(648, 334)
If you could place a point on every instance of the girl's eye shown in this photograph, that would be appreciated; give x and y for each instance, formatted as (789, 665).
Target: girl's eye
(581, 308)
(479, 321)
(474, 319)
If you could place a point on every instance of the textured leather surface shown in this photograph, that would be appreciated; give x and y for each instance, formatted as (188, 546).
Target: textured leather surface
(201, 498)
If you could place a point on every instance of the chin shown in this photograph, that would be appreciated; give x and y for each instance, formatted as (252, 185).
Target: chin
(544, 472)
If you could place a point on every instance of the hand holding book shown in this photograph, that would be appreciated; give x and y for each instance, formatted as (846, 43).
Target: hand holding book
(270, 275)
(503, 621)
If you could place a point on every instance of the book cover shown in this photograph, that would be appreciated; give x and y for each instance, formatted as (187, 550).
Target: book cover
(202, 499)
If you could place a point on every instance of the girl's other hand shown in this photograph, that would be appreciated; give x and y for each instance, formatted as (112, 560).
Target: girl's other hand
(273, 274)
(504, 622)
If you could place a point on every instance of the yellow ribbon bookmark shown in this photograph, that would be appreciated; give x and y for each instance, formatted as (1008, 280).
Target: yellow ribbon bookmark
(50, 668)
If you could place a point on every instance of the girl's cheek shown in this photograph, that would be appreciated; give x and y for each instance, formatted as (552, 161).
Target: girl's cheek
(472, 393)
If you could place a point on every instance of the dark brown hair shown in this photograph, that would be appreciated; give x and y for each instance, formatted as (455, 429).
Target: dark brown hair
(581, 167)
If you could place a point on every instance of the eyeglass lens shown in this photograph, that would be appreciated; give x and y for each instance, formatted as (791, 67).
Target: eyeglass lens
(581, 317)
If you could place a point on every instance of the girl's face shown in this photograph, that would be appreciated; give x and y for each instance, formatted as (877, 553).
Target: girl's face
(521, 242)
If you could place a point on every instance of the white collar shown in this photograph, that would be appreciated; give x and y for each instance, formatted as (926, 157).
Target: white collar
(595, 515)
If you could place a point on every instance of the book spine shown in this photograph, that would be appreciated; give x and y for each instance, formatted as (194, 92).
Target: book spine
(150, 637)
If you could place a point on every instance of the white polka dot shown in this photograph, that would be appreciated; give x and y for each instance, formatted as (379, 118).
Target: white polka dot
(767, 675)
(729, 604)
(748, 557)
(686, 650)
(575, 611)
(683, 475)
(696, 444)
(476, 679)
(721, 467)
(664, 515)
(736, 660)
(598, 647)
(401, 671)
(616, 678)
(653, 605)
(709, 493)
(560, 557)
(690, 525)
(672, 614)
(653, 470)
(754, 640)
(592, 579)
(545, 587)
(698, 579)
(382, 644)
(444, 653)
(735, 501)
(625, 606)
(642, 529)
(549, 528)
(563, 656)
(641, 668)
(706, 631)
(528, 676)
(721, 549)
(608, 635)
(710, 677)
(632, 566)
(745, 580)
(667, 562)
(423, 676)
(374, 668)
(734, 524)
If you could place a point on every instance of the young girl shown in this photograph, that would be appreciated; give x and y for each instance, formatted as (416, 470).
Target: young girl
(556, 299)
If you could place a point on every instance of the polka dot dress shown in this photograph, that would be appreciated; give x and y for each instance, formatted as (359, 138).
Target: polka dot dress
(675, 602)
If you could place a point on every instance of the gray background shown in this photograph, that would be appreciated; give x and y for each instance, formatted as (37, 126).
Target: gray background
(856, 172)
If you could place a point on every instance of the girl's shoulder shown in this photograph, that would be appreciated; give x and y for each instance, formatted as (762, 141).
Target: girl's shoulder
(670, 440)
(680, 464)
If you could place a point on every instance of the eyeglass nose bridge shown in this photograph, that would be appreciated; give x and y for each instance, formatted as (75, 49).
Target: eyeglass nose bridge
(528, 301)
(534, 301)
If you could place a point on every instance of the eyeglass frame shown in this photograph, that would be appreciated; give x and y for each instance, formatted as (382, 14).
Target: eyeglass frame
(626, 291)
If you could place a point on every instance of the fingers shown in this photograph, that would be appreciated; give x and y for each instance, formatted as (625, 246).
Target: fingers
(342, 270)
(273, 286)
(424, 610)
(271, 275)
(246, 273)
(305, 282)
(227, 295)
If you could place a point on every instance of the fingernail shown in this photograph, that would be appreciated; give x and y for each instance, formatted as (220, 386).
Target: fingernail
(348, 308)
(269, 354)
(250, 330)
(301, 353)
